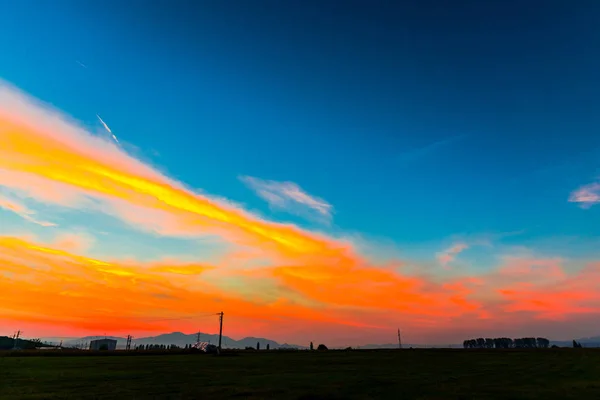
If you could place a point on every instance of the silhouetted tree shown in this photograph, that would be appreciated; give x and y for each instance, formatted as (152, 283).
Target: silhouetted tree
(257, 345)
(322, 347)
(507, 343)
(311, 346)
(543, 343)
(268, 347)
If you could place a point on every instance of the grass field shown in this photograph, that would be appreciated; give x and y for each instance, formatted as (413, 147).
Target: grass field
(406, 374)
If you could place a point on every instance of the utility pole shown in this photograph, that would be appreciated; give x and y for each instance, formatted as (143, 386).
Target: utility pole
(220, 328)
(16, 339)
(399, 339)
(128, 345)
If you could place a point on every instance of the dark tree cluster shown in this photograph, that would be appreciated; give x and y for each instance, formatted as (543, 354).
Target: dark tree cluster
(157, 347)
(506, 343)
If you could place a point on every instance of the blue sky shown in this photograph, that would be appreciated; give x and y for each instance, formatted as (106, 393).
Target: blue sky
(417, 121)
(443, 138)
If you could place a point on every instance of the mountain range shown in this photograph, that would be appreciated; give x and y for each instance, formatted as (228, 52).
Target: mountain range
(181, 339)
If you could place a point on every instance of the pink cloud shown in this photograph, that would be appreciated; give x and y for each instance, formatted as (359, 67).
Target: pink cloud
(448, 255)
(73, 242)
(587, 195)
(22, 211)
(288, 196)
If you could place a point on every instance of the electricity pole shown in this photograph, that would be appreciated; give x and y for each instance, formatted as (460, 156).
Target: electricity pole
(128, 345)
(16, 339)
(220, 328)
(399, 340)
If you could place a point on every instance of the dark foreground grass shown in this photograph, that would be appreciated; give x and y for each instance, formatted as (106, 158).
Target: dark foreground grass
(405, 374)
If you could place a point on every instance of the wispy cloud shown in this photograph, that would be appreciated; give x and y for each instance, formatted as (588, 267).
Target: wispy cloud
(420, 152)
(22, 211)
(87, 167)
(288, 196)
(299, 279)
(587, 195)
(77, 242)
(447, 256)
(107, 128)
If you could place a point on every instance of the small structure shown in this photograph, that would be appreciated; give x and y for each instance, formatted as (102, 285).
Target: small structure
(103, 344)
(206, 347)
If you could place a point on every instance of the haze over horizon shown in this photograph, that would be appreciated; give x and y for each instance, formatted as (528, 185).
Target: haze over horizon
(318, 171)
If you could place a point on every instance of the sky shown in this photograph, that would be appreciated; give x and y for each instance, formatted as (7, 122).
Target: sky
(317, 170)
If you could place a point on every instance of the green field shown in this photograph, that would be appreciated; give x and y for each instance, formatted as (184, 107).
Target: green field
(405, 374)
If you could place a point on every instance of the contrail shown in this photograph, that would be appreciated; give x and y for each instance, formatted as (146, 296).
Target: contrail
(80, 63)
(107, 128)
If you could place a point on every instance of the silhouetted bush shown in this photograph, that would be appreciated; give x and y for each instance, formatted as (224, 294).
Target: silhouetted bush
(507, 343)
(322, 347)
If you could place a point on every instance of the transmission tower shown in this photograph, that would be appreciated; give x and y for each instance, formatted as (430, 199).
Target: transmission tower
(128, 345)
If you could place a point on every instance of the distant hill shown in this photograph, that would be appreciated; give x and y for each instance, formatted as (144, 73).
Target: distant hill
(182, 339)
(8, 343)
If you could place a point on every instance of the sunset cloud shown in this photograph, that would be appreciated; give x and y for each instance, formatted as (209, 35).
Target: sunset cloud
(39, 144)
(587, 195)
(22, 211)
(448, 255)
(272, 277)
(289, 197)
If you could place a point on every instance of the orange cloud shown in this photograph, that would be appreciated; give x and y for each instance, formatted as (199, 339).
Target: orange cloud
(541, 287)
(54, 287)
(296, 279)
(36, 144)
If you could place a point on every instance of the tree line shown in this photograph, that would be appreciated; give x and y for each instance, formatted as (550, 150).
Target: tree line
(158, 347)
(506, 343)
